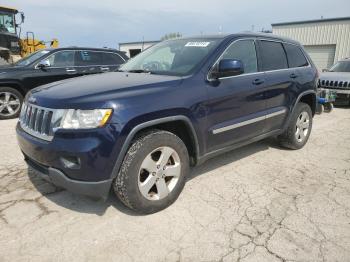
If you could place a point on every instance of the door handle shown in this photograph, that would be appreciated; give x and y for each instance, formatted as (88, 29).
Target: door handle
(258, 81)
(104, 69)
(71, 71)
(292, 75)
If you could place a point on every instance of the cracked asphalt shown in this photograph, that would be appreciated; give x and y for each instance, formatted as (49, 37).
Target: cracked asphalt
(257, 203)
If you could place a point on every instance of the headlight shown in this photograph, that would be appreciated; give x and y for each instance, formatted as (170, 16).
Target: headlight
(83, 119)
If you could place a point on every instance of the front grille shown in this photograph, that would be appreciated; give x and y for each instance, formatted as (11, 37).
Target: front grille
(37, 121)
(334, 84)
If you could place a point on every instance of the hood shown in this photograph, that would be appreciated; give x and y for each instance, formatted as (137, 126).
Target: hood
(335, 76)
(8, 68)
(100, 88)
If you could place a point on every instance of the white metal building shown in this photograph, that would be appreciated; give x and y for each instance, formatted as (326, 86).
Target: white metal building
(133, 48)
(325, 40)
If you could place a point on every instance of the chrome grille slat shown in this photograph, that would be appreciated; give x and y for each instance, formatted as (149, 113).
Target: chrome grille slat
(334, 84)
(44, 122)
(32, 118)
(36, 121)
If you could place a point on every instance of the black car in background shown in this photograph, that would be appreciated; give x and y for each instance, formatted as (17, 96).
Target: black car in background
(50, 65)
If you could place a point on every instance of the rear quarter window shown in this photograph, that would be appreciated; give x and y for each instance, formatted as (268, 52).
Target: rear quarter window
(112, 59)
(295, 56)
(272, 55)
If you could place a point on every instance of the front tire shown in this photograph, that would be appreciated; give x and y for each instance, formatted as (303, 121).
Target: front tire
(153, 172)
(299, 128)
(10, 103)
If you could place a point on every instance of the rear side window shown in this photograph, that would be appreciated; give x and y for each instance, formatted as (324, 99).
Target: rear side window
(243, 50)
(295, 56)
(112, 59)
(272, 56)
(86, 58)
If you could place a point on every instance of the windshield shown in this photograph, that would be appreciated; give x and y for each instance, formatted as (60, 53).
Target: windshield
(174, 57)
(342, 66)
(31, 58)
(7, 23)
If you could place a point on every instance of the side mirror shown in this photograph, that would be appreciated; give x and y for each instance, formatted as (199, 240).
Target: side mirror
(229, 67)
(44, 64)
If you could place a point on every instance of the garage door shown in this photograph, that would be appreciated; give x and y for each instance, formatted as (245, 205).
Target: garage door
(321, 55)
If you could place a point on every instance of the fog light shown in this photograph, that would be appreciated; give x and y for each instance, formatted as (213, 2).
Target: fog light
(71, 162)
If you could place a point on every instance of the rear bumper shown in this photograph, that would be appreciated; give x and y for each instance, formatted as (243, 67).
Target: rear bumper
(98, 189)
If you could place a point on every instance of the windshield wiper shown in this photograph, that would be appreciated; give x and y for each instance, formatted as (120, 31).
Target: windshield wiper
(140, 71)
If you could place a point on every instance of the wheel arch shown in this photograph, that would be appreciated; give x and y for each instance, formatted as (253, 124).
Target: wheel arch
(180, 125)
(308, 97)
(14, 85)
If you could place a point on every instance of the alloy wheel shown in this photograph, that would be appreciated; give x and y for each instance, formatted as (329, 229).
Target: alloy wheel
(9, 104)
(302, 126)
(159, 173)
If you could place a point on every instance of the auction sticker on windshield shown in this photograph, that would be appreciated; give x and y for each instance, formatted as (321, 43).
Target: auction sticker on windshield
(198, 44)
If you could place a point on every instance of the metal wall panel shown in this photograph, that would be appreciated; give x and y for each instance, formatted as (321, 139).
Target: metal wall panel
(321, 55)
(321, 33)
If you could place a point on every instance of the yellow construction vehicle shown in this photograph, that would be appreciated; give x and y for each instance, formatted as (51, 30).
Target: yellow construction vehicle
(12, 47)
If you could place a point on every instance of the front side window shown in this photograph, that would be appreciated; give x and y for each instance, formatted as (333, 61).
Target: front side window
(243, 50)
(177, 57)
(272, 56)
(7, 23)
(62, 59)
(295, 56)
(342, 66)
(89, 58)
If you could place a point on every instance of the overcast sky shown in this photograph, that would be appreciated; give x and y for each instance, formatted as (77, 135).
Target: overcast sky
(107, 22)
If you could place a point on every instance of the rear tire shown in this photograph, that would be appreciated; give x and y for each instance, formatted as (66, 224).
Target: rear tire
(328, 107)
(10, 103)
(153, 172)
(299, 128)
(319, 109)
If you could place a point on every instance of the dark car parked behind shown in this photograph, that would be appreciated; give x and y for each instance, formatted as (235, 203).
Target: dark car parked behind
(50, 65)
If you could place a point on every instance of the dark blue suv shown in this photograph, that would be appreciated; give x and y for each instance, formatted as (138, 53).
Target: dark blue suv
(173, 106)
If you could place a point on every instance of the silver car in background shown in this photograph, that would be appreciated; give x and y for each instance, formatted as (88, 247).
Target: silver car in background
(337, 79)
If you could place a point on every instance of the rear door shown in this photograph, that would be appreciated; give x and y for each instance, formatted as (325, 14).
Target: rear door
(89, 62)
(62, 66)
(111, 61)
(236, 104)
(280, 81)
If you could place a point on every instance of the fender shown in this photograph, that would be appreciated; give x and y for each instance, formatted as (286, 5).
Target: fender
(296, 102)
(150, 123)
(12, 83)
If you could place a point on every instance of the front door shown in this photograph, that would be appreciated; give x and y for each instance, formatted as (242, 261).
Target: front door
(62, 66)
(236, 104)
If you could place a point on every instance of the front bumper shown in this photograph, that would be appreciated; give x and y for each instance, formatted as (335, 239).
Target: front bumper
(81, 161)
(337, 90)
(94, 189)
